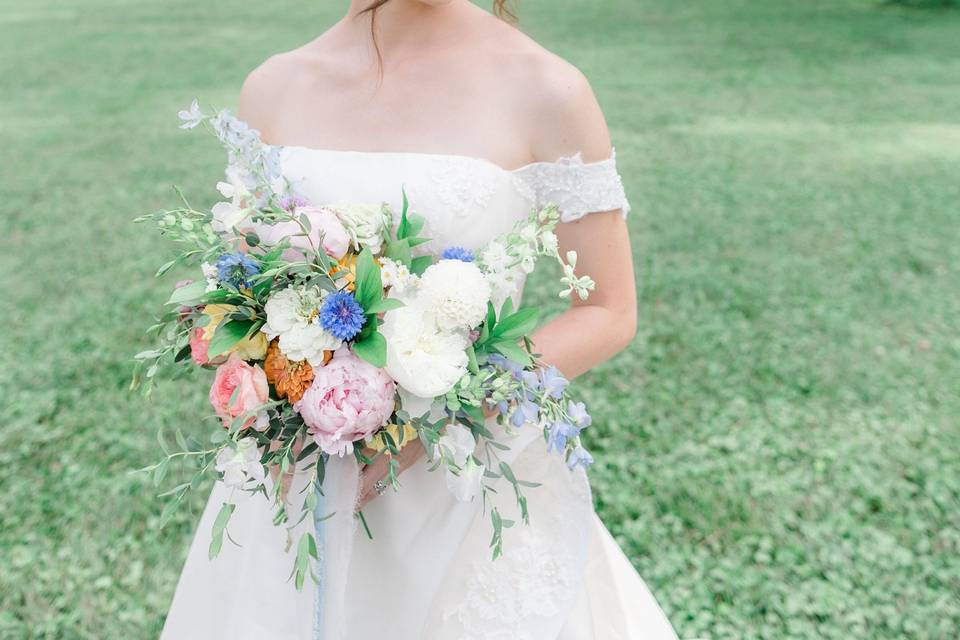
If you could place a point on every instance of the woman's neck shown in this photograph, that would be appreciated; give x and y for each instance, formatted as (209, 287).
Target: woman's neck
(402, 26)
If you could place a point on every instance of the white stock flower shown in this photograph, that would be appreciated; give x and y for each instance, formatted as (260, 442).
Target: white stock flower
(241, 465)
(548, 240)
(396, 276)
(456, 292)
(366, 224)
(226, 216)
(291, 315)
(459, 442)
(211, 275)
(421, 358)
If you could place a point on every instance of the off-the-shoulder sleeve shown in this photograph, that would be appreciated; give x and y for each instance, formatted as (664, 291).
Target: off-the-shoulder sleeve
(575, 186)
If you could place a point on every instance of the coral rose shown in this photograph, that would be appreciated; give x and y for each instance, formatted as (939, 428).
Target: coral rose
(239, 388)
(348, 401)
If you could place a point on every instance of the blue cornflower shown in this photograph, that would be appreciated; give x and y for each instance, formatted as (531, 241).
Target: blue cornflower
(553, 382)
(457, 253)
(236, 269)
(525, 412)
(560, 432)
(578, 413)
(341, 315)
(579, 457)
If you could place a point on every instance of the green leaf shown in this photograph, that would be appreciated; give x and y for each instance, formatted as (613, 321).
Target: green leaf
(472, 365)
(384, 305)
(512, 351)
(369, 288)
(227, 335)
(399, 251)
(373, 349)
(419, 265)
(219, 526)
(517, 324)
(506, 309)
(192, 292)
(403, 229)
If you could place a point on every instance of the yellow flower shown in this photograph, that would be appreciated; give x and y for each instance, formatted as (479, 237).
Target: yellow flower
(402, 436)
(251, 348)
(346, 272)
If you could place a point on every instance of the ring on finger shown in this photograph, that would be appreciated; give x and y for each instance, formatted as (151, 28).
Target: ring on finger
(379, 486)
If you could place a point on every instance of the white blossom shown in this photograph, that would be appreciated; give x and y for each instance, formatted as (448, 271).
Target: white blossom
(192, 116)
(366, 224)
(424, 360)
(464, 481)
(291, 316)
(241, 466)
(397, 276)
(211, 275)
(457, 293)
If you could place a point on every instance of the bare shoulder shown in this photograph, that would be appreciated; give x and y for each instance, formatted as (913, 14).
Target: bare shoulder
(556, 100)
(277, 77)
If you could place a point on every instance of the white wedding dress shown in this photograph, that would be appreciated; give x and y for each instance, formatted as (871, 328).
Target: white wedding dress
(428, 573)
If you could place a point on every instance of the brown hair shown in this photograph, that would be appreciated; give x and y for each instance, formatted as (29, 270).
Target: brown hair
(501, 9)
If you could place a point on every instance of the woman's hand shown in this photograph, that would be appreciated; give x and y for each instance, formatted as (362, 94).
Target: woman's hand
(377, 470)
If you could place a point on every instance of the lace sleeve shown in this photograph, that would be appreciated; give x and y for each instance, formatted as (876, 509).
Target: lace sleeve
(575, 186)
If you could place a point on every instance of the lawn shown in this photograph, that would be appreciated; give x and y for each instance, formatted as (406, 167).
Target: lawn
(778, 452)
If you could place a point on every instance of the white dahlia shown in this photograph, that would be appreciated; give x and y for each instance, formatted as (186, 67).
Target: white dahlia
(457, 294)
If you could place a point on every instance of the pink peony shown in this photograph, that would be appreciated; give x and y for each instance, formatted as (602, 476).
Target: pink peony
(348, 401)
(324, 224)
(237, 389)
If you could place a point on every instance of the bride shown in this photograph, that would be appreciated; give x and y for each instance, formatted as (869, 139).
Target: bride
(478, 124)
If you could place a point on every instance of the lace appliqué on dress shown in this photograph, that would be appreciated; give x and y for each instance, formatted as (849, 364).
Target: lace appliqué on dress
(540, 573)
(457, 185)
(529, 581)
(577, 187)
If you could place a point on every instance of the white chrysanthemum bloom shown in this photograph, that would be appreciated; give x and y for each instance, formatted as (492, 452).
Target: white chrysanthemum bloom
(424, 360)
(291, 316)
(308, 342)
(460, 443)
(397, 276)
(456, 292)
(366, 224)
(241, 466)
(211, 275)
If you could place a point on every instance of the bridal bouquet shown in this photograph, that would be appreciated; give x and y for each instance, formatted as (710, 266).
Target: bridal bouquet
(331, 334)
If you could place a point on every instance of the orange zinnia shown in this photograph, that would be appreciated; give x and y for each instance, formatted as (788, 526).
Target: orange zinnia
(289, 378)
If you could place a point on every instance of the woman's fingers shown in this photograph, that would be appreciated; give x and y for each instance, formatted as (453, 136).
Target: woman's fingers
(377, 470)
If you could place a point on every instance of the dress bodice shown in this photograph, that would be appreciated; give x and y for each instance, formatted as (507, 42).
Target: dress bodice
(466, 201)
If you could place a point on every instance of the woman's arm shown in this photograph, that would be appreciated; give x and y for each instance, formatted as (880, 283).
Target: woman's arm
(596, 329)
(569, 121)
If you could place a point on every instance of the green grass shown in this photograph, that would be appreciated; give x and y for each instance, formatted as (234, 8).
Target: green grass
(778, 452)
